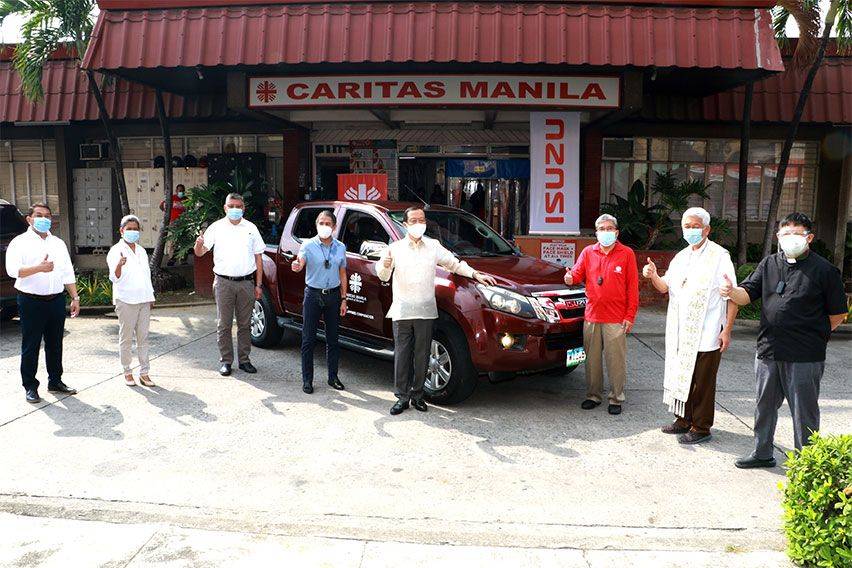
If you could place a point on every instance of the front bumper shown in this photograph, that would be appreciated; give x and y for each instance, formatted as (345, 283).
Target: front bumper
(538, 346)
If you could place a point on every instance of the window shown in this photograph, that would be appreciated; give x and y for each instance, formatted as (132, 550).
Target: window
(305, 226)
(359, 227)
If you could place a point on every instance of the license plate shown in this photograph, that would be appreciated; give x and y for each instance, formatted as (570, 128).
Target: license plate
(575, 356)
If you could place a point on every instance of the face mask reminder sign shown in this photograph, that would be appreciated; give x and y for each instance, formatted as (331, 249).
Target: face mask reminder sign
(554, 173)
(362, 187)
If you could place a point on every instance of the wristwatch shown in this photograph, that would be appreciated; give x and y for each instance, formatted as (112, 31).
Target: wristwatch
(75, 298)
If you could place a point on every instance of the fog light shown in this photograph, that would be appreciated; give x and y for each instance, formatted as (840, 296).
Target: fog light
(507, 341)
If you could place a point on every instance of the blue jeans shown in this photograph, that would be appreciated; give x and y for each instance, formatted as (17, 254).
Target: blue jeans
(41, 319)
(327, 306)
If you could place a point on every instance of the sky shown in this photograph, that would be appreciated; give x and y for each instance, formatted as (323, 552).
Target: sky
(10, 31)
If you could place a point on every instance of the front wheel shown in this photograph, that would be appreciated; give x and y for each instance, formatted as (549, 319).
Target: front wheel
(265, 331)
(450, 374)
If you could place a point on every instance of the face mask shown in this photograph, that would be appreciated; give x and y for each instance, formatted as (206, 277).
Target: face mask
(42, 224)
(180, 194)
(324, 231)
(235, 214)
(131, 235)
(606, 238)
(793, 245)
(693, 236)
(416, 230)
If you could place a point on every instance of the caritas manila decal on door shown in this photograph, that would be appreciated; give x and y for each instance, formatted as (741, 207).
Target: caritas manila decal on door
(554, 173)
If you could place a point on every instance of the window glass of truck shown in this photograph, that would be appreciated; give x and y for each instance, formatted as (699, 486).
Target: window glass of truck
(359, 227)
(461, 233)
(305, 225)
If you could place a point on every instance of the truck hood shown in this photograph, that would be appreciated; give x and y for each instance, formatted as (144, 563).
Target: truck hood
(522, 274)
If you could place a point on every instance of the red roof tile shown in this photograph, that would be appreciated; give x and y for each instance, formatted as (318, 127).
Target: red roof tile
(775, 97)
(67, 98)
(505, 32)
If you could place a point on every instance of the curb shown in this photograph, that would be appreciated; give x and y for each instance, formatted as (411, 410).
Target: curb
(101, 310)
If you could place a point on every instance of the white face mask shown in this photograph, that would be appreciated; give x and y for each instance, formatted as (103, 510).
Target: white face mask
(793, 245)
(324, 231)
(416, 230)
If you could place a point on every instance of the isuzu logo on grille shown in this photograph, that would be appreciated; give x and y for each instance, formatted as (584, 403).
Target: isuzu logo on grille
(575, 304)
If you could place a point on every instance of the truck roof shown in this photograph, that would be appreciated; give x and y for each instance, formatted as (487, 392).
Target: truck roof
(381, 205)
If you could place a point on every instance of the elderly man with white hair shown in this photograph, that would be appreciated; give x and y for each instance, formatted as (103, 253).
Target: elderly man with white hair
(698, 326)
(611, 275)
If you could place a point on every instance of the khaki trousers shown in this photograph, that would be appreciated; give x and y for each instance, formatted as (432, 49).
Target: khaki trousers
(233, 298)
(133, 319)
(605, 341)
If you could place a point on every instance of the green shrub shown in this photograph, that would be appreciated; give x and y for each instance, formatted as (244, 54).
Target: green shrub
(94, 289)
(752, 310)
(818, 502)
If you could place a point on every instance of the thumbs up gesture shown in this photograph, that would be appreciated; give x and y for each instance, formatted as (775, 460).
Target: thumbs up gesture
(727, 287)
(199, 241)
(650, 269)
(45, 265)
(388, 260)
(297, 265)
(123, 260)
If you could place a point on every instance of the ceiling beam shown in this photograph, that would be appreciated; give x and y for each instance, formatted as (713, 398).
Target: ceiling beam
(384, 116)
(490, 118)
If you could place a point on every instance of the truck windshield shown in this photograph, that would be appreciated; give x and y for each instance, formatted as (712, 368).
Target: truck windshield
(461, 233)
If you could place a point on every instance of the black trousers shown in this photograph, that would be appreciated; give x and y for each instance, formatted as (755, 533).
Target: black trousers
(315, 306)
(41, 319)
(412, 340)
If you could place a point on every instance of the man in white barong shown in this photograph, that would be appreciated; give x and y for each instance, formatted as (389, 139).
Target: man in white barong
(698, 326)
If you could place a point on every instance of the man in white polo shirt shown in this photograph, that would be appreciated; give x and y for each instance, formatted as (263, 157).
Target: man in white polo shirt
(41, 265)
(237, 247)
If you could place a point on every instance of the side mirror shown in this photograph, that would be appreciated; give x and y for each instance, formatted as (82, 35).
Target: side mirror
(372, 249)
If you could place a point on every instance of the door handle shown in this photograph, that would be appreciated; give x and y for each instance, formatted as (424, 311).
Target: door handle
(288, 256)
(385, 284)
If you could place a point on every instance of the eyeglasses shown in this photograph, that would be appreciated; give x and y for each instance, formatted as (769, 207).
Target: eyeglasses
(789, 233)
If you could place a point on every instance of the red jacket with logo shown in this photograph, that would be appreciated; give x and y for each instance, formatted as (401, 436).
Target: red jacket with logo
(612, 283)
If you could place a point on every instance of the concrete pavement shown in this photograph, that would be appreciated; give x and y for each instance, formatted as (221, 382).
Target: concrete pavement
(226, 469)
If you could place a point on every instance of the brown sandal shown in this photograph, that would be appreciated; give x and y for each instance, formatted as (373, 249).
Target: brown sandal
(146, 381)
(128, 380)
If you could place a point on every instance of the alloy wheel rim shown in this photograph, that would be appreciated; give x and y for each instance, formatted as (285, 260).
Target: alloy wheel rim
(258, 320)
(440, 367)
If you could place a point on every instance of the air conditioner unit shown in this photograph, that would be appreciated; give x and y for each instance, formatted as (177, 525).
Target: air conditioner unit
(94, 151)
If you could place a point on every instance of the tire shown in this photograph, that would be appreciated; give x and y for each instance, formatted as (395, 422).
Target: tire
(265, 331)
(449, 352)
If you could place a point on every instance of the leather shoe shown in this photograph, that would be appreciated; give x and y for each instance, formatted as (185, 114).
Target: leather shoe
(336, 384)
(33, 397)
(589, 404)
(248, 368)
(693, 438)
(61, 387)
(614, 409)
(307, 388)
(419, 405)
(674, 429)
(399, 407)
(752, 462)
(225, 369)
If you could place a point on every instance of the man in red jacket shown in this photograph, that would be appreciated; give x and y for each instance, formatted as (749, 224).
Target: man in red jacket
(609, 271)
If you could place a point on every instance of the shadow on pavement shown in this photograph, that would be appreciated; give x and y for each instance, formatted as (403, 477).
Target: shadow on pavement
(76, 419)
(175, 404)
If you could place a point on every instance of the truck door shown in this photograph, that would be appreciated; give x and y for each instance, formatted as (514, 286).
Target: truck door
(366, 308)
(292, 283)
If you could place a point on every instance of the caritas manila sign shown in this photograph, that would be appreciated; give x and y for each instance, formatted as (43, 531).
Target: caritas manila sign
(362, 187)
(554, 173)
(433, 91)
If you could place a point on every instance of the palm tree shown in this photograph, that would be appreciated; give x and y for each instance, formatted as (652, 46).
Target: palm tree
(806, 13)
(49, 25)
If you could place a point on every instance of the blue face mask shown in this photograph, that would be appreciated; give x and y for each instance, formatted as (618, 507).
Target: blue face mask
(235, 214)
(693, 236)
(131, 236)
(42, 224)
(606, 238)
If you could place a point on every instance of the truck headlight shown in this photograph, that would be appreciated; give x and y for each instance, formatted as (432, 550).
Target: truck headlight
(510, 302)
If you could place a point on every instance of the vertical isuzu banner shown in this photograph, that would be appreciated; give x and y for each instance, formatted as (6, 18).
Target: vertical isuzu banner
(554, 172)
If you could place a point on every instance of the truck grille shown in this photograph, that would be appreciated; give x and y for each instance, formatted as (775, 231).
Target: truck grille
(569, 304)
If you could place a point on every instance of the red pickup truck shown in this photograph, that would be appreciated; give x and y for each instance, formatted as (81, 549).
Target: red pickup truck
(529, 322)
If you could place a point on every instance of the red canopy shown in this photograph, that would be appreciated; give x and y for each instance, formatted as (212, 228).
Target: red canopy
(580, 34)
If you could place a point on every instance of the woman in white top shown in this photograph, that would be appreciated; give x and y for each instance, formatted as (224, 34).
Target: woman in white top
(133, 296)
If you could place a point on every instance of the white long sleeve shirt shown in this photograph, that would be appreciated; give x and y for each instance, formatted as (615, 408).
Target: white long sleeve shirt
(29, 249)
(134, 286)
(413, 269)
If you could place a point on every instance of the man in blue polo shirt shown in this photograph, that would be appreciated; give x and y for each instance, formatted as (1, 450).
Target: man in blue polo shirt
(324, 259)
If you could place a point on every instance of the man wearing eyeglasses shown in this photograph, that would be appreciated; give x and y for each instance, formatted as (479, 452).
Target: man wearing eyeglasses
(803, 302)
